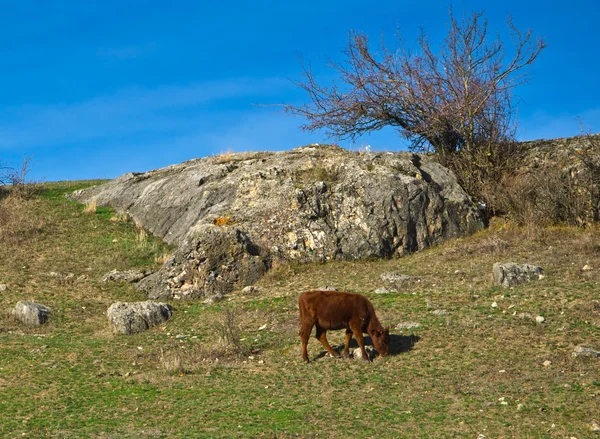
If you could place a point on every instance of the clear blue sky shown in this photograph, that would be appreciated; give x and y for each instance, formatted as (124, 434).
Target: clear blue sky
(94, 89)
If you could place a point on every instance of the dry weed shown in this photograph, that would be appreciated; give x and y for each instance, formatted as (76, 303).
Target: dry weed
(225, 156)
(120, 217)
(141, 237)
(171, 362)
(90, 207)
(18, 219)
(229, 332)
(162, 258)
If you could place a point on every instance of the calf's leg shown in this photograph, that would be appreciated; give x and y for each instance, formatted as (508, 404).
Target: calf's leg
(347, 343)
(322, 337)
(357, 329)
(304, 336)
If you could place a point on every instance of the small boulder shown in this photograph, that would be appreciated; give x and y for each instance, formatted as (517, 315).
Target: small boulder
(357, 354)
(511, 274)
(126, 276)
(395, 279)
(132, 318)
(251, 290)
(407, 325)
(3, 287)
(383, 291)
(581, 351)
(30, 313)
(327, 288)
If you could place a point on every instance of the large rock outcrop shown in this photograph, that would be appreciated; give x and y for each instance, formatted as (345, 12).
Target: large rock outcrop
(235, 215)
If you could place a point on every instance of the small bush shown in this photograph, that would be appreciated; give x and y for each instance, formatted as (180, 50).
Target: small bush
(229, 332)
(171, 362)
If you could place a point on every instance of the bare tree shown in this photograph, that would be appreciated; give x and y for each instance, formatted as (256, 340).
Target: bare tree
(459, 98)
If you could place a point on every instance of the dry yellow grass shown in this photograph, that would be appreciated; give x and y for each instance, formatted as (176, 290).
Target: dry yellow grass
(90, 207)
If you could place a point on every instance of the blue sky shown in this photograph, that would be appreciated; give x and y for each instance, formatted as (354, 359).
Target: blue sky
(96, 89)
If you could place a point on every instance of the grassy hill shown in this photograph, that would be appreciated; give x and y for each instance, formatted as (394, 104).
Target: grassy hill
(233, 369)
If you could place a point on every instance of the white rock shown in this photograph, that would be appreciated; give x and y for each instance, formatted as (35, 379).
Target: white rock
(407, 325)
(494, 304)
(30, 313)
(540, 319)
(132, 318)
(586, 268)
(547, 363)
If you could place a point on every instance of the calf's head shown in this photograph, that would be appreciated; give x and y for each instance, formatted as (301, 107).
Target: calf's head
(381, 340)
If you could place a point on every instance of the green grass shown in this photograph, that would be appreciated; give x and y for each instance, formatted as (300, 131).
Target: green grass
(475, 370)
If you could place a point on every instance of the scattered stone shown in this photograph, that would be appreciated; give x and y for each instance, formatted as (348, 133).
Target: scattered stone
(407, 325)
(327, 288)
(126, 276)
(54, 274)
(30, 313)
(70, 276)
(520, 406)
(439, 312)
(132, 318)
(547, 363)
(581, 351)
(540, 319)
(357, 354)
(586, 268)
(459, 272)
(251, 289)
(82, 278)
(3, 287)
(395, 277)
(494, 304)
(595, 426)
(383, 291)
(263, 327)
(523, 315)
(511, 274)
(210, 300)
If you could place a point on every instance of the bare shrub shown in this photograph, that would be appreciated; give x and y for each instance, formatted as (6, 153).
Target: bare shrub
(16, 180)
(171, 362)
(229, 332)
(540, 197)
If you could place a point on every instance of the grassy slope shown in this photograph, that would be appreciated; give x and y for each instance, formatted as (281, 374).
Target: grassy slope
(73, 378)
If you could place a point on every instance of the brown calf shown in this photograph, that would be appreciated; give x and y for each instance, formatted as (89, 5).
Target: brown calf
(340, 310)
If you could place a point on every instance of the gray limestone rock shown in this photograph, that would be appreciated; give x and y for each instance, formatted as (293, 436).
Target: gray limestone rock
(30, 313)
(132, 318)
(582, 351)
(511, 274)
(233, 217)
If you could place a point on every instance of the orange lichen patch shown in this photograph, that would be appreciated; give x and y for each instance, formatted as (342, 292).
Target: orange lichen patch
(223, 221)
